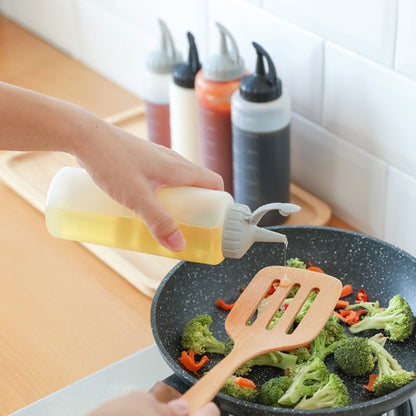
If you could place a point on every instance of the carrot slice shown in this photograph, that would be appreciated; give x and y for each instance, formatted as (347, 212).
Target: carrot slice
(371, 381)
(245, 382)
(346, 290)
(223, 305)
(187, 359)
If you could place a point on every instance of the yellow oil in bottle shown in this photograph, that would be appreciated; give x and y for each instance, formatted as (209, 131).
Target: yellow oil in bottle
(130, 233)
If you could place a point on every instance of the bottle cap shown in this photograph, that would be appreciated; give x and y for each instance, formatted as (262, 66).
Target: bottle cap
(184, 73)
(241, 231)
(162, 60)
(226, 65)
(260, 86)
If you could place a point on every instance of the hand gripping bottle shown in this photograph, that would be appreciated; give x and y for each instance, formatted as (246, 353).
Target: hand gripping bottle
(213, 225)
(183, 114)
(260, 113)
(214, 84)
(158, 74)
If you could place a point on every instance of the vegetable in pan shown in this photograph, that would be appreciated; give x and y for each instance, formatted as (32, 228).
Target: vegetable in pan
(391, 375)
(354, 357)
(332, 394)
(277, 359)
(307, 382)
(272, 390)
(307, 379)
(397, 320)
(198, 337)
(241, 388)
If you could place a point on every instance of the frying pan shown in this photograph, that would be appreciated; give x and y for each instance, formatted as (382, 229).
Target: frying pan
(381, 269)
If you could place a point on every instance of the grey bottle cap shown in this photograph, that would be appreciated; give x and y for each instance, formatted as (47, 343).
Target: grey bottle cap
(162, 60)
(241, 231)
(226, 65)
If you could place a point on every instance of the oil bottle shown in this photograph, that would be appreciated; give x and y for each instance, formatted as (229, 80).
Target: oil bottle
(260, 113)
(183, 114)
(214, 85)
(158, 74)
(213, 225)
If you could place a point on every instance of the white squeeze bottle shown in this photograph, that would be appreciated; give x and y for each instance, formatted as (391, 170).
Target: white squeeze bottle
(157, 78)
(213, 225)
(183, 105)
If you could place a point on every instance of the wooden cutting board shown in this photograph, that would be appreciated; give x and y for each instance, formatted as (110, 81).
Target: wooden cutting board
(29, 174)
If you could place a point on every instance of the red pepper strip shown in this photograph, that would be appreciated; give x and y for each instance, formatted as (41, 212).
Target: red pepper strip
(342, 304)
(188, 361)
(344, 312)
(371, 381)
(244, 382)
(346, 290)
(361, 296)
(315, 268)
(272, 289)
(223, 305)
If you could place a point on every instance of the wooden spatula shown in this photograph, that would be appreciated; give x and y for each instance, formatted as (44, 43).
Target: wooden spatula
(255, 339)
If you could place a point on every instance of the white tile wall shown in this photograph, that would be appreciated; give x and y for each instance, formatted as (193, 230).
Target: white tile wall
(367, 27)
(106, 46)
(349, 66)
(371, 106)
(55, 21)
(406, 38)
(400, 211)
(351, 180)
(297, 54)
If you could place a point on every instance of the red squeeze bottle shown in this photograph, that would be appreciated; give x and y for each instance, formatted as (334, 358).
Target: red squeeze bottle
(158, 75)
(215, 83)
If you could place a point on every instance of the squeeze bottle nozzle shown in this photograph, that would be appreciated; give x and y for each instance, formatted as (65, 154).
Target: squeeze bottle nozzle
(162, 60)
(241, 230)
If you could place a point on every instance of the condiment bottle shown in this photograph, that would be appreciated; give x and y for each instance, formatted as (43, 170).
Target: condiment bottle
(214, 84)
(183, 114)
(158, 75)
(213, 225)
(261, 139)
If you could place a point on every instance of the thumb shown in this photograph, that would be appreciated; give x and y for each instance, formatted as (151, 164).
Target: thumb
(162, 225)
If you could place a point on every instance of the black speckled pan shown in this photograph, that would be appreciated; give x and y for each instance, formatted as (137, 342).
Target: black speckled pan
(381, 269)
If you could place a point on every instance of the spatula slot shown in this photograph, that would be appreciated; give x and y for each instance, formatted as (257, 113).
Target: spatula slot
(294, 309)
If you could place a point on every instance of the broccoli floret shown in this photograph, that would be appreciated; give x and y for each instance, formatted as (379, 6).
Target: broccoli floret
(296, 262)
(308, 378)
(328, 339)
(397, 319)
(302, 353)
(277, 359)
(272, 390)
(391, 375)
(244, 393)
(305, 307)
(197, 336)
(334, 331)
(354, 356)
(332, 394)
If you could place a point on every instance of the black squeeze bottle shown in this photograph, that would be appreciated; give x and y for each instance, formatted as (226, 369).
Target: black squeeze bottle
(260, 114)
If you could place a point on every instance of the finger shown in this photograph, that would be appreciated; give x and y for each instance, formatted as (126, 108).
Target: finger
(210, 409)
(161, 224)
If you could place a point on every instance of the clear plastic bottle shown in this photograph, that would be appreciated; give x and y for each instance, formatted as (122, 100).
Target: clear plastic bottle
(260, 112)
(183, 114)
(158, 75)
(214, 84)
(213, 225)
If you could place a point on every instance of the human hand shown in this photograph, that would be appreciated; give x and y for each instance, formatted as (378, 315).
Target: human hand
(133, 170)
(140, 403)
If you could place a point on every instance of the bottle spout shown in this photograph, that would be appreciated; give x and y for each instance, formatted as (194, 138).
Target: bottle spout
(268, 236)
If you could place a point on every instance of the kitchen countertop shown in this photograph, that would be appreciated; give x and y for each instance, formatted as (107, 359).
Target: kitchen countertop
(63, 313)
